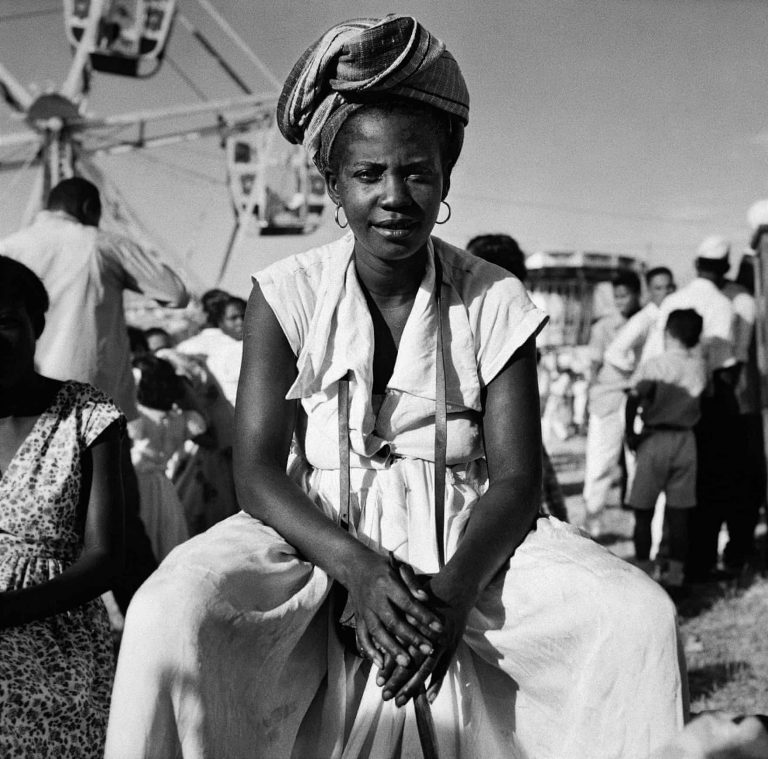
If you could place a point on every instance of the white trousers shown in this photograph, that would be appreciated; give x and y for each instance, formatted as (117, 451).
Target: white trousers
(605, 442)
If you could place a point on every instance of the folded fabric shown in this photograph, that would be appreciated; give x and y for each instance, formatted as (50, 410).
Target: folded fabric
(358, 59)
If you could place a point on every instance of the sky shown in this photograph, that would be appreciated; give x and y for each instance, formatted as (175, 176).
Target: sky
(626, 126)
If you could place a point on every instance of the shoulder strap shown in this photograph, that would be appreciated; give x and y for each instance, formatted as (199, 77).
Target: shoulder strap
(344, 485)
(441, 419)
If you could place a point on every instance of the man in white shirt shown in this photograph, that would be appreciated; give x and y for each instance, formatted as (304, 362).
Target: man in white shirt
(605, 429)
(626, 349)
(85, 271)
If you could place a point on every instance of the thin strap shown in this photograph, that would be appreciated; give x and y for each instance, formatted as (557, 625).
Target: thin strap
(344, 484)
(441, 420)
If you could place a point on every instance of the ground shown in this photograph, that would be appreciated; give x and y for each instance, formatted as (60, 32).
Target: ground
(724, 625)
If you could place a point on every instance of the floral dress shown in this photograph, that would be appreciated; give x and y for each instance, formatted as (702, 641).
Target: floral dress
(56, 673)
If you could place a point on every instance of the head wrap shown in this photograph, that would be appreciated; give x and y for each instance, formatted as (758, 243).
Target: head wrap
(359, 61)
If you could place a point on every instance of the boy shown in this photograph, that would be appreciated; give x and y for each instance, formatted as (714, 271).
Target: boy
(667, 389)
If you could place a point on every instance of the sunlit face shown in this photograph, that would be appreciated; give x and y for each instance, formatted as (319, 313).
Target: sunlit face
(659, 287)
(232, 321)
(17, 343)
(626, 300)
(389, 179)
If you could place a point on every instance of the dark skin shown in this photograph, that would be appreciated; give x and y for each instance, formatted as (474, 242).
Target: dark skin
(409, 626)
(24, 396)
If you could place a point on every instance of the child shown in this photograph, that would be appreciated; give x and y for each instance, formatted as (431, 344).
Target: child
(61, 541)
(667, 389)
(159, 432)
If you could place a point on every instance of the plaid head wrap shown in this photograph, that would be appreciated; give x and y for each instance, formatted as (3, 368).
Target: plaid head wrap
(359, 61)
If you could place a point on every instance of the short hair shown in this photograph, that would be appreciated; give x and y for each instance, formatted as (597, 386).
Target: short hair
(657, 271)
(501, 250)
(19, 284)
(685, 324)
(629, 279)
(158, 386)
(71, 194)
(235, 301)
(450, 128)
(715, 266)
(213, 303)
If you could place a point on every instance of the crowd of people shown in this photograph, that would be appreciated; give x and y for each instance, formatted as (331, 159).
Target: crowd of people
(357, 528)
(673, 401)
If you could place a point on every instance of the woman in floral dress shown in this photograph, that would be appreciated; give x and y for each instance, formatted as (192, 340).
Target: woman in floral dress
(61, 541)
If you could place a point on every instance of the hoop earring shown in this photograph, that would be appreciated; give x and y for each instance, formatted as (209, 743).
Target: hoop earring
(437, 221)
(336, 218)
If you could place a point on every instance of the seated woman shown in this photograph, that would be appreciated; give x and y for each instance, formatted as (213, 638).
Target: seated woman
(406, 371)
(61, 541)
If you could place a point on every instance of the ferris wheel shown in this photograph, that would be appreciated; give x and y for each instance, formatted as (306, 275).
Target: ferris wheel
(274, 188)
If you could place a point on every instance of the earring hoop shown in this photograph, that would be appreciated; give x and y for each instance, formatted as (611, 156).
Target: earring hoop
(437, 221)
(336, 218)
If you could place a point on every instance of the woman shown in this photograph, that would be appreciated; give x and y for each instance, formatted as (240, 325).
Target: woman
(61, 541)
(220, 343)
(518, 654)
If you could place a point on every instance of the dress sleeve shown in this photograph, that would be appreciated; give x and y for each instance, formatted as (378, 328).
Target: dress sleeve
(97, 412)
(503, 318)
(292, 299)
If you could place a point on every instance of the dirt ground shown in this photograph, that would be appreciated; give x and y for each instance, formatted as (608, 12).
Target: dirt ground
(724, 625)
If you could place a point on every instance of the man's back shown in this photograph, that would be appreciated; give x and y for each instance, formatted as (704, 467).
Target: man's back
(85, 271)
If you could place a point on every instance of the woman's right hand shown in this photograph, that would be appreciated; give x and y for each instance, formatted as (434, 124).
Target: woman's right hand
(391, 611)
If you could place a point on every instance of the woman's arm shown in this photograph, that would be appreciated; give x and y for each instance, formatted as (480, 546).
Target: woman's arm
(102, 556)
(264, 424)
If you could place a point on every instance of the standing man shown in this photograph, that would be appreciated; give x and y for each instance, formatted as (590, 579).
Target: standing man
(605, 429)
(719, 455)
(86, 270)
(626, 349)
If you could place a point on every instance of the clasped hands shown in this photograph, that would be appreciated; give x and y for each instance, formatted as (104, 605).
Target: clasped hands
(406, 627)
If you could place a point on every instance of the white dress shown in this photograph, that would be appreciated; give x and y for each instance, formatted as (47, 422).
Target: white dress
(156, 436)
(229, 649)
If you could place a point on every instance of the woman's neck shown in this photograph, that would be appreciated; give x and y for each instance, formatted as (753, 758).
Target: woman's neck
(29, 395)
(391, 280)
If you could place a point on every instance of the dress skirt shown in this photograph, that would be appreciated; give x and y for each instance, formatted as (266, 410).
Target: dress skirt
(230, 650)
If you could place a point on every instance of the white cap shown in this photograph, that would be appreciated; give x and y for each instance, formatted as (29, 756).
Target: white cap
(714, 247)
(757, 216)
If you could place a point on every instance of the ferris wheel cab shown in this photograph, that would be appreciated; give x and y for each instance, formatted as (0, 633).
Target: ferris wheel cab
(273, 184)
(131, 35)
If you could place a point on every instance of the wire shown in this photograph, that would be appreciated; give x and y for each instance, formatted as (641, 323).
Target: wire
(29, 14)
(580, 211)
(182, 170)
(186, 78)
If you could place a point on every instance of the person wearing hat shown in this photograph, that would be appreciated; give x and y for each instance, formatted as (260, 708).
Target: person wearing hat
(718, 455)
(403, 548)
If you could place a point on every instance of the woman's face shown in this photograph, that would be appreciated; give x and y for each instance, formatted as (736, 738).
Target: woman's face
(17, 343)
(232, 321)
(389, 179)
